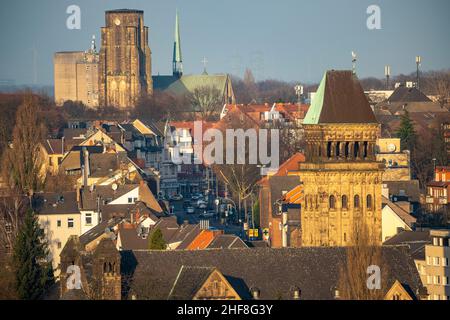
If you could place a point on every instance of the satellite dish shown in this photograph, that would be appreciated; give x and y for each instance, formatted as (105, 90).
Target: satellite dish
(114, 186)
(391, 147)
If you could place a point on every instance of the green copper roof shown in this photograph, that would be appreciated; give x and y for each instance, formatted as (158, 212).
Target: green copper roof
(340, 99)
(177, 44)
(313, 115)
(188, 83)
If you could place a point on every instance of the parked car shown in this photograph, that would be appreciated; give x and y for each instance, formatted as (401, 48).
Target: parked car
(176, 197)
(190, 210)
(208, 214)
(186, 204)
(202, 204)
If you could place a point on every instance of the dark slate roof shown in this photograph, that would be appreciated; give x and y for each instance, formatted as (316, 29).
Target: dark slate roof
(340, 99)
(105, 226)
(89, 198)
(278, 184)
(188, 282)
(404, 94)
(130, 240)
(414, 240)
(273, 271)
(103, 165)
(56, 202)
(163, 82)
(227, 241)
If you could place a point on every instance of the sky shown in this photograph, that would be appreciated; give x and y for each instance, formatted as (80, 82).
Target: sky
(290, 40)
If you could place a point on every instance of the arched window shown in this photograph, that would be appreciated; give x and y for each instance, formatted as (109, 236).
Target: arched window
(329, 149)
(344, 202)
(332, 202)
(356, 201)
(306, 202)
(347, 149)
(365, 150)
(369, 201)
(356, 149)
(338, 149)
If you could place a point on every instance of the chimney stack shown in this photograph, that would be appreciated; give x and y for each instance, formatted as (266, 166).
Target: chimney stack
(85, 166)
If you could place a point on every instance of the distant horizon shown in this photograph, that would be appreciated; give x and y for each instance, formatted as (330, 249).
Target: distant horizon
(291, 41)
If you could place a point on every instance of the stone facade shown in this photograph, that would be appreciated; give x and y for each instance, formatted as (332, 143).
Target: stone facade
(125, 59)
(342, 183)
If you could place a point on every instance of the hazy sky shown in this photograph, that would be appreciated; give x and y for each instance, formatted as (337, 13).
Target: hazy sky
(285, 39)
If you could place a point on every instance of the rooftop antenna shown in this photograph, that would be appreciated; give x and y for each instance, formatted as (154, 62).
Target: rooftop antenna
(93, 47)
(299, 92)
(418, 62)
(204, 61)
(354, 58)
(387, 73)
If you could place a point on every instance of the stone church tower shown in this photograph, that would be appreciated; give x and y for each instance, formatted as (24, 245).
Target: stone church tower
(341, 177)
(125, 59)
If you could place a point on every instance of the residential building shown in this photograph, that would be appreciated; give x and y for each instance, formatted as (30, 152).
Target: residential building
(437, 256)
(438, 194)
(60, 217)
(397, 162)
(394, 219)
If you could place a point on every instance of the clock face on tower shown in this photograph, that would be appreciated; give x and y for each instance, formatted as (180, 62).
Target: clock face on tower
(117, 21)
(391, 147)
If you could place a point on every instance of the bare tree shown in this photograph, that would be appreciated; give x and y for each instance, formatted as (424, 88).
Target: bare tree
(240, 179)
(438, 82)
(22, 166)
(363, 252)
(206, 101)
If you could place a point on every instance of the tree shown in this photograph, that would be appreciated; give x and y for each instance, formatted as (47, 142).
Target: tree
(159, 106)
(23, 161)
(34, 273)
(353, 275)
(207, 101)
(407, 133)
(156, 240)
(439, 84)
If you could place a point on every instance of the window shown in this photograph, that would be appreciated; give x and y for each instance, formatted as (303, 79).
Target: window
(428, 260)
(332, 202)
(59, 245)
(130, 200)
(345, 237)
(135, 199)
(88, 219)
(8, 227)
(70, 223)
(344, 202)
(437, 261)
(369, 202)
(429, 280)
(356, 201)
(445, 262)
(435, 241)
(437, 279)
(58, 223)
(445, 281)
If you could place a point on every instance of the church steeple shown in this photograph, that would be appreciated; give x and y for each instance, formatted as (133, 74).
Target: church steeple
(177, 61)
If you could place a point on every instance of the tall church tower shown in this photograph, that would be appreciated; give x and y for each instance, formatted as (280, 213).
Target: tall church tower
(341, 178)
(177, 61)
(125, 59)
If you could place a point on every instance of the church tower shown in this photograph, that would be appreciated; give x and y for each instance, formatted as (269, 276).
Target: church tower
(177, 61)
(125, 59)
(341, 177)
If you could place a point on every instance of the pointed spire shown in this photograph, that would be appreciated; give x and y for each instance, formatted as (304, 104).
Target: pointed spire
(177, 60)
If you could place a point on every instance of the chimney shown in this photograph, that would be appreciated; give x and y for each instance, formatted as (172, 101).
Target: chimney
(85, 166)
(255, 293)
(284, 226)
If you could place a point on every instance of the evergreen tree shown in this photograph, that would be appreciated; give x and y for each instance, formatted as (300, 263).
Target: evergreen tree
(156, 241)
(34, 273)
(407, 133)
